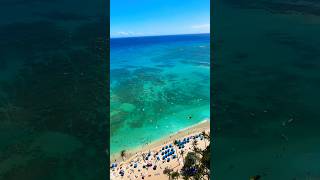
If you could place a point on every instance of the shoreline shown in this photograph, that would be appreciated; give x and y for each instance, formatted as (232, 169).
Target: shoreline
(130, 153)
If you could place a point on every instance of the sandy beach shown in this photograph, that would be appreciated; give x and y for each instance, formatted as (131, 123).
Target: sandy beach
(138, 164)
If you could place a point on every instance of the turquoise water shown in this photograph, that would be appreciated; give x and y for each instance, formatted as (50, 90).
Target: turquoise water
(53, 90)
(159, 85)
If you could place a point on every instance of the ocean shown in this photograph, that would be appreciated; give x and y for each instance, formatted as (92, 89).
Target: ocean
(266, 89)
(53, 90)
(158, 86)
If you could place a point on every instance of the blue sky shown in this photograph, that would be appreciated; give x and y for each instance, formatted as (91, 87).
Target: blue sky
(158, 17)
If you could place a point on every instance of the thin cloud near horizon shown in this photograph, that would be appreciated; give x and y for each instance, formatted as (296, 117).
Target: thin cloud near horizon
(194, 29)
(201, 26)
(127, 33)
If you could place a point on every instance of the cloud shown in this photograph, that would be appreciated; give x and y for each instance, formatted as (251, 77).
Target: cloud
(122, 33)
(201, 26)
(127, 33)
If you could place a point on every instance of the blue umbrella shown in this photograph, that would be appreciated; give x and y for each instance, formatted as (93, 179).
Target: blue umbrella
(168, 159)
(166, 147)
(170, 145)
(135, 165)
(158, 158)
(162, 153)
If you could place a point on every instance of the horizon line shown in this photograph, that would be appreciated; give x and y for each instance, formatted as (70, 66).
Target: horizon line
(156, 35)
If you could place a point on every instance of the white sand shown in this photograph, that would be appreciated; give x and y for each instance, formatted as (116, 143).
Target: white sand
(136, 156)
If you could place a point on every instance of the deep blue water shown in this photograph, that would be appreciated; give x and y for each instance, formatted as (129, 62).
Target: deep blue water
(149, 40)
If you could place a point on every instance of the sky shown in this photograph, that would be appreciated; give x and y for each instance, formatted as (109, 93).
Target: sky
(158, 17)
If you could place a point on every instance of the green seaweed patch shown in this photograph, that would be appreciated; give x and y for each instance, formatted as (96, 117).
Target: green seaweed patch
(136, 124)
(127, 107)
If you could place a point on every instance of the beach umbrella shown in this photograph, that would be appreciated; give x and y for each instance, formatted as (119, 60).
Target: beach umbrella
(115, 165)
(162, 148)
(168, 160)
(146, 158)
(167, 147)
(174, 156)
(158, 158)
(162, 153)
(135, 165)
(163, 158)
(170, 145)
(154, 167)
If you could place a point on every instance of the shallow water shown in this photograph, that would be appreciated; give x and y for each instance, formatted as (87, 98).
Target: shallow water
(266, 86)
(159, 85)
